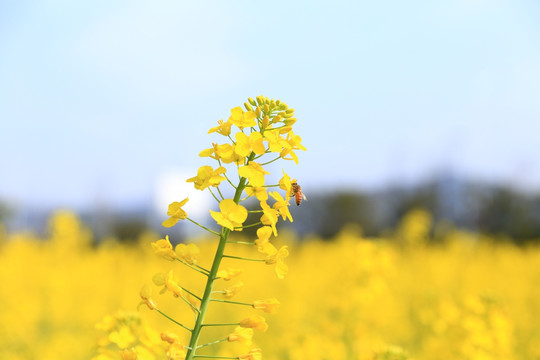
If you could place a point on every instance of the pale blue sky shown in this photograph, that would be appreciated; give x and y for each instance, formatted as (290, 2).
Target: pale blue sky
(99, 98)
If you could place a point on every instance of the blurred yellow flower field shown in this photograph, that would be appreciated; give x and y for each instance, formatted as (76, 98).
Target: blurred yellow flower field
(466, 297)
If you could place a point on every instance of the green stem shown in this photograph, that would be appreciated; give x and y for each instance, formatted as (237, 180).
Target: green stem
(228, 324)
(190, 293)
(212, 343)
(219, 191)
(248, 226)
(214, 196)
(231, 302)
(174, 321)
(271, 161)
(241, 242)
(200, 267)
(195, 334)
(205, 273)
(242, 258)
(204, 227)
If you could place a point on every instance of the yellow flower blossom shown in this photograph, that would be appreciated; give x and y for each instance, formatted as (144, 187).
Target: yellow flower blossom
(254, 354)
(277, 258)
(229, 273)
(128, 354)
(230, 292)
(294, 142)
(146, 296)
(285, 183)
(264, 233)
(163, 247)
(259, 192)
(262, 242)
(254, 172)
(123, 337)
(231, 216)
(242, 335)
(242, 119)
(207, 176)
(176, 352)
(255, 322)
(189, 253)
(171, 284)
(224, 152)
(176, 213)
(282, 206)
(269, 217)
(268, 306)
(245, 145)
(224, 128)
(275, 142)
(169, 337)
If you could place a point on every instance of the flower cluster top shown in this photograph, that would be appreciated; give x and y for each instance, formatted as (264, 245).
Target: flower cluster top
(256, 136)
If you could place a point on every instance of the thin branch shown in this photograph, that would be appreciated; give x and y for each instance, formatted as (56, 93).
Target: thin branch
(174, 321)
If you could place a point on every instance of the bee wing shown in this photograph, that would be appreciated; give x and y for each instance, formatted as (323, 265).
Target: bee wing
(304, 196)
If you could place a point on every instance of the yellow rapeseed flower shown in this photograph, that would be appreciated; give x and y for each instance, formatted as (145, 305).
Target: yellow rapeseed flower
(163, 247)
(176, 352)
(259, 192)
(229, 273)
(224, 128)
(207, 176)
(275, 142)
(268, 306)
(242, 119)
(169, 337)
(176, 213)
(189, 253)
(231, 216)
(123, 337)
(128, 354)
(269, 217)
(285, 183)
(146, 296)
(242, 335)
(276, 257)
(255, 322)
(245, 145)
(254, 354)
(231, 291)
(254, 172)
(282, 206)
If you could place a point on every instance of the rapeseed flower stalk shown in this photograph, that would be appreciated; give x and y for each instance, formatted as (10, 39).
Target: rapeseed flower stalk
(257, 136)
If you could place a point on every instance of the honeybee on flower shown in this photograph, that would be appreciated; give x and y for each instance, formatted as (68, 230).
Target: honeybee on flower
(296, 192)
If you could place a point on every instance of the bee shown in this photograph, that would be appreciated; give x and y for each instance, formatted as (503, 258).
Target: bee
(296, 191)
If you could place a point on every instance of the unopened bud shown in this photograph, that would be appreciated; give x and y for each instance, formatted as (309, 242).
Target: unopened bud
(260, 100)
(258, 111)
(290, 122)
(252, 102)
(265, 121)
(290, 111)
(285, 130)
(266, 108)
(287, 115)
(276, 119)
(248, 107)
(278, 102)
